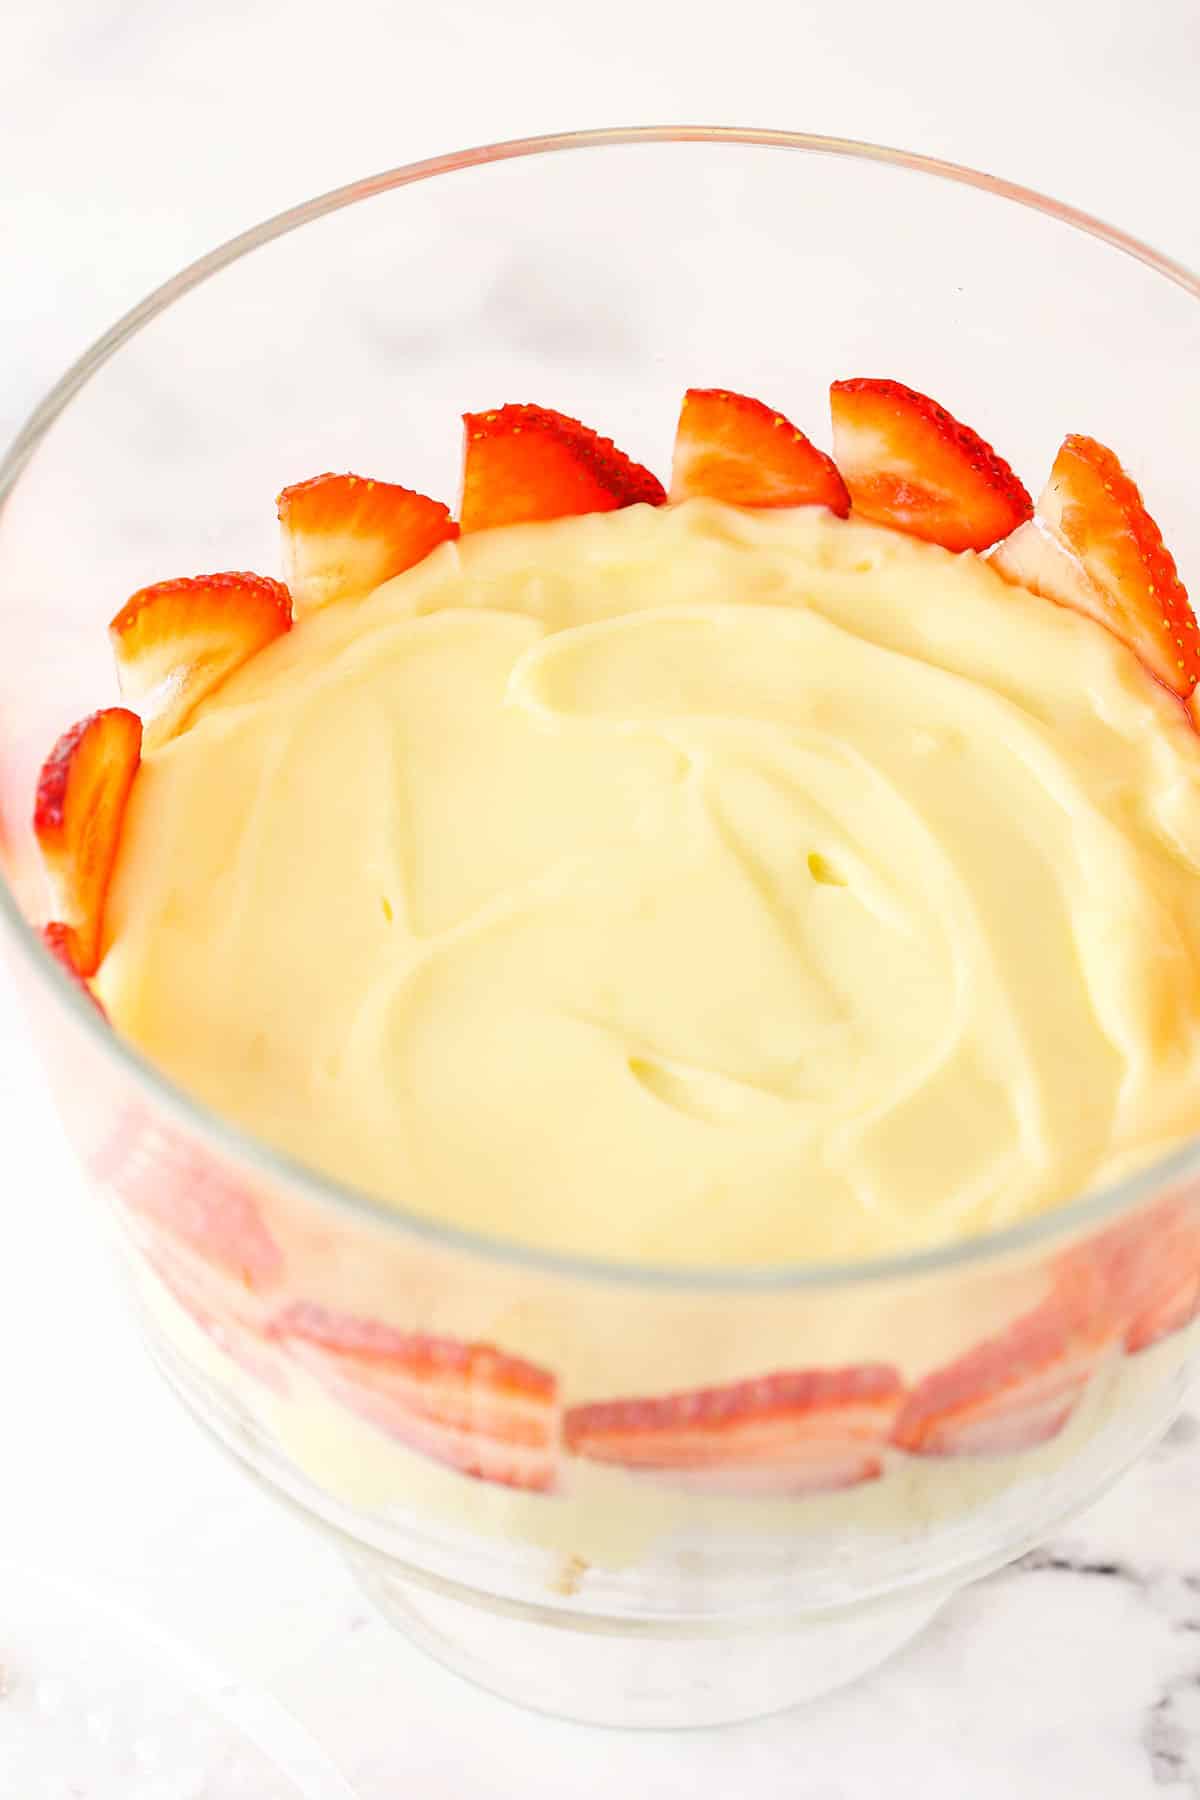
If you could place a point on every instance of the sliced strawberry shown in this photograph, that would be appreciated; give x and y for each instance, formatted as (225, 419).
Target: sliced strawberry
(1115, 566)
(1032, 557)
(81, 796)
(241, 1338)
(908, 464)
(204, 1236)
(1177, 1304)
(1150, 1268)
(469, 1405)
(177, 641)
(192, 1206)
(1017, 1389)
(59, 940)
(343, 535)
(738, 450)
(524, 462)
(794, 1432)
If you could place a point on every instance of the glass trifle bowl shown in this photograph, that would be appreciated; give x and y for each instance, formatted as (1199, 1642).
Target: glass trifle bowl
(461, 1413)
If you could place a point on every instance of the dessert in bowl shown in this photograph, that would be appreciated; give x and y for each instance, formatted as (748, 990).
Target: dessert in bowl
(666, 963)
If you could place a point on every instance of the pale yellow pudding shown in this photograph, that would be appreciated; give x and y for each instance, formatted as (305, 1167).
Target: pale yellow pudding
(686, 886)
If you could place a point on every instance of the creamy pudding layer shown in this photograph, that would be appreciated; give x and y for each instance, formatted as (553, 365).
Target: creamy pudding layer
(683, 885)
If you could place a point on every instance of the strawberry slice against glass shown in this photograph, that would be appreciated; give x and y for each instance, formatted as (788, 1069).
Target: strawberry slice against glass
(794, 1432)
(59, 940)
(1174, 1305)
(82, 793)
(178, 640)
(909, 464)
(192, 1212)
(1019, 1388)
(1150, 1270)
(731, 448)
(522, 463)
(468, 1405)
(342, 535)
(240, 1337)
(1096, 549)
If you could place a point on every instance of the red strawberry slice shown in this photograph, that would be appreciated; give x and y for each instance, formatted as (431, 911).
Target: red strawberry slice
(1103, 555)
(1176, 1305)
(795, 1432)
(738, 450)
(343, 535)
(178, 640)
(240, 1338)
(190, 1207)
(1150, 1269)
(202, 1233)
(1032, 557)
(471, 1406)
(1017, 1389)
(59, 940)
(81, 796)
(522, 463)
(908, 464)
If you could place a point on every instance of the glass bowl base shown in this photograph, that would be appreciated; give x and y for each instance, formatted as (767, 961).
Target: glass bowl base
(630, 1673)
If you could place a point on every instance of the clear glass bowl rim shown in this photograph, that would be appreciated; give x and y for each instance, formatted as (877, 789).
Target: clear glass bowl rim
(1064, 1220)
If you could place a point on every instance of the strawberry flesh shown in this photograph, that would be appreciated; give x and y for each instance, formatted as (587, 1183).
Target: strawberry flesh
(190, 1203)
(201, 1232)
(471, 1406)
(1149, 1267)
(81, 797)
(177, 641)
(59, 940)
(343, 535)
(1175, 1306)
(1015, 1390)
(1094, 509)
(1032, 557)
(731, 448)
(909, 464)
(794, 1432)
(523, 463)
(239, 1336)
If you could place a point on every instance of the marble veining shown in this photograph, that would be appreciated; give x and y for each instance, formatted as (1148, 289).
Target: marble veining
(1170, 1724)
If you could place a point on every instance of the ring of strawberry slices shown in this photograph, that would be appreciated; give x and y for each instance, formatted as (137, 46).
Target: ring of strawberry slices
(899, 460)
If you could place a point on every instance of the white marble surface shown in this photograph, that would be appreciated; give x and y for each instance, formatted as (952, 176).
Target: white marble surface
(136, 133)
